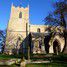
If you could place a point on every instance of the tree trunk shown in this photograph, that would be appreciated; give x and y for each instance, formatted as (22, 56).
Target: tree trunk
(64, 25)
(65, 46)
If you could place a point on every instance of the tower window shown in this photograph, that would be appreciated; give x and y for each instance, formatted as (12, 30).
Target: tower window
(38, 30)
(20, 15)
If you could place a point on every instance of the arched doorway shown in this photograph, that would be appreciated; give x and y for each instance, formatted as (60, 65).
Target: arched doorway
(56, 47)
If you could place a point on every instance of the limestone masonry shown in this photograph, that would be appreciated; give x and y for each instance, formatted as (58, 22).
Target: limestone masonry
(19, 27)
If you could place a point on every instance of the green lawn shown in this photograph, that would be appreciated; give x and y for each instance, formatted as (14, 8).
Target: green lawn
(54, 58)
(41, 65)
(47, 65)
(60, 57)
(2, 56)
(9, 66)
(7, 57)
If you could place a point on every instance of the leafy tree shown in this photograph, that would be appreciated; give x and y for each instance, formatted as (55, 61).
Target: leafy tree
(57, 17)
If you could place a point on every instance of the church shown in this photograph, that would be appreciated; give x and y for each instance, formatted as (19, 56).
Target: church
(19, 28)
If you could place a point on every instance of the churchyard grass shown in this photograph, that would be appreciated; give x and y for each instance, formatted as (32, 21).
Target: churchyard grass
(47, 65)
(7, 57)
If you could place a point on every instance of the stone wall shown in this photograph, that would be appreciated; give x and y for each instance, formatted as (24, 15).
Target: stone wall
(33, 28)
(20, 27)
(17, 27)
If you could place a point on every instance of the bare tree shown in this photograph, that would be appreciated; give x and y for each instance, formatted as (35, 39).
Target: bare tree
(2, 39)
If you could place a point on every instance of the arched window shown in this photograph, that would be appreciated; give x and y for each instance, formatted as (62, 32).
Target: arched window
(38, 30)
(20, 15)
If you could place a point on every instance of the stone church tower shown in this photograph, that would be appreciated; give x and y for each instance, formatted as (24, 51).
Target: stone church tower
(18, 27)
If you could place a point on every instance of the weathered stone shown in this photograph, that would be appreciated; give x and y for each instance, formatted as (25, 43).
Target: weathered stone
(19, 27)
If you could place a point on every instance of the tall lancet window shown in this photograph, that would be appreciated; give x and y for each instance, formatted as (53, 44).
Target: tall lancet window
(20, 15)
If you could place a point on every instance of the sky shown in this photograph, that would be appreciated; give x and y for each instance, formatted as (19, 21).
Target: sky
(39, 9)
